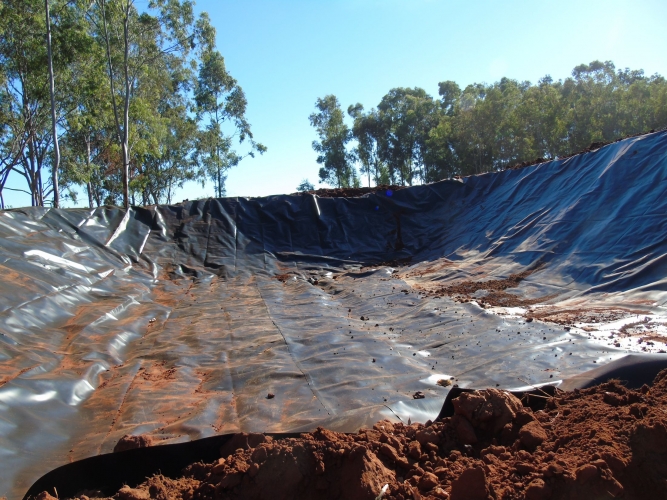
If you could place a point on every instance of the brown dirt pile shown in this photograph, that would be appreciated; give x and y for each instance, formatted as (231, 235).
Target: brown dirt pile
(571, 316)
(600, 443)
(352, 192)
(496, 295)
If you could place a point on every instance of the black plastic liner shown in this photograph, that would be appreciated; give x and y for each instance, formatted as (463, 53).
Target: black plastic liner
(110, 472)
(178, 321)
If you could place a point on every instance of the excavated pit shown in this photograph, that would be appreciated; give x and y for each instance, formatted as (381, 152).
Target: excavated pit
(178, 322)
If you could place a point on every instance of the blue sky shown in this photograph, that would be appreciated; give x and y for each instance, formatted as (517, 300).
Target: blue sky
(287, 53)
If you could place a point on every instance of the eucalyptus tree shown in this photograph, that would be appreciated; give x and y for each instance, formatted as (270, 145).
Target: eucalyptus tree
(27, 136)
(368, 131)
(54, 119)
(334, 135)
(304, 186)
(140, 47)
(220, 107)
(407, 115)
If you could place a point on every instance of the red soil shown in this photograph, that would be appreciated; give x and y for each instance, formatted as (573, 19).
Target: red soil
(352, 192)
(600, 443)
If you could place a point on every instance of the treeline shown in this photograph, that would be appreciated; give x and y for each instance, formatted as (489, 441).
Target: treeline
(411, 137)
(141, 103)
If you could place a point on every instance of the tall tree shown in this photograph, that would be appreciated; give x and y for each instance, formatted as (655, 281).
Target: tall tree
(54, 119)
(368, 131)
(221, 105)
(334, 135)
(407, 116)
(23, 58)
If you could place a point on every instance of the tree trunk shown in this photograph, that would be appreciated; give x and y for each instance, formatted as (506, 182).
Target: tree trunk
(89, 184)
(56, 148)
(34, 172)
(89, 187)
(126, 111)
(5, 175)
(121, 134)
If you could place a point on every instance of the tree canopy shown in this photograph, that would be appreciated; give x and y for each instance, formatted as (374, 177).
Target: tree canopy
(142, 101)
(413, 137)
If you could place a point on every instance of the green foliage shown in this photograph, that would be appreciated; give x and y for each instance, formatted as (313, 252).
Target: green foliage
(406, 116)
(410, 137)
(220, 102)
(305, 185)
(142, 97)
(334, 135)
(367, 130)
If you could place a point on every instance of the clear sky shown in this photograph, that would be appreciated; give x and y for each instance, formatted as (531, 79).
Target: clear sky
(287, 53)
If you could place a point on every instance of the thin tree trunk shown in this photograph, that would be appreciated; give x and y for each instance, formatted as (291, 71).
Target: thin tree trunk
(56, 148)
(126, 111)
(120, 133)
(89, 185)
(169, 191)
(5, 175)
(34, 172)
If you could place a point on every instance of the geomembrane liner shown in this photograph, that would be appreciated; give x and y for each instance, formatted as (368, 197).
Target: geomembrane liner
(179, 321)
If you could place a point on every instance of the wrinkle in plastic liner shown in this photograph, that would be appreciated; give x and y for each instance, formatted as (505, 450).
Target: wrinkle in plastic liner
(178, 321)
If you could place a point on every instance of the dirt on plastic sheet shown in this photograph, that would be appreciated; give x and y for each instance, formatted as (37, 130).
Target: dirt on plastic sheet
(495, 296)
(570, 316)
(352, 192)
(605, 442)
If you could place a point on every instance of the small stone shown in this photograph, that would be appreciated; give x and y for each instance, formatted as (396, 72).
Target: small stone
(428, 481)
(270, 395)
(415, 450)
(219, 468)
(466, 404)
(428, 435)
(438, 492)
(128, 442)
(431, 447)
(537, 490)
(532, 435)
(554, 470)
(586, 472)
(391, 453)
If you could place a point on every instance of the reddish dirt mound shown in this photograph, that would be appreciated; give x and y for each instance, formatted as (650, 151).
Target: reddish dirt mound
(496, 295)
(352, 192)
(571, 316)
(600, 443)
